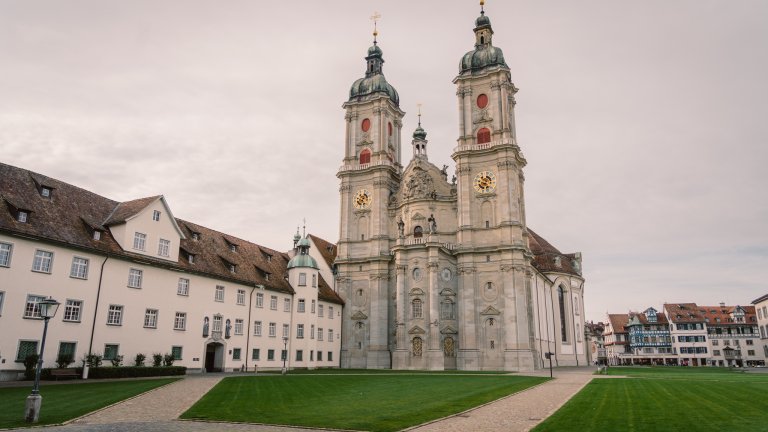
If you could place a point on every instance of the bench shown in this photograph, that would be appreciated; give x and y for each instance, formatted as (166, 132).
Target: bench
(64, 373)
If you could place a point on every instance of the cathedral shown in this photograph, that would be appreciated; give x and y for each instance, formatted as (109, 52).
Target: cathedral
(439, 273)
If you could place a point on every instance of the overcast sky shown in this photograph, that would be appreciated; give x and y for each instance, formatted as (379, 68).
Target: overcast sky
(643, 123)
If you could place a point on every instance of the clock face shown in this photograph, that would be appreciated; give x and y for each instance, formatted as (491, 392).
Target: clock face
(485, 182)
(362, 199)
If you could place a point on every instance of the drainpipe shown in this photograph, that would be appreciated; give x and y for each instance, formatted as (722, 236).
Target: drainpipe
(95, 313)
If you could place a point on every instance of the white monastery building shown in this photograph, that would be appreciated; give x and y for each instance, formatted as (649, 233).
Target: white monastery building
(428, 273)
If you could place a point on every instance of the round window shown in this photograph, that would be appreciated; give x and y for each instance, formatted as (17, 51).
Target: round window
(482, 101)
(366, 125)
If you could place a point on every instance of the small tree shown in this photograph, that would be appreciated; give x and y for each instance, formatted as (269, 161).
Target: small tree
(168, 360)
(64, 360)
(30, 363)
(117, 361)
(139, 359)
(93, 360)
(157, 359)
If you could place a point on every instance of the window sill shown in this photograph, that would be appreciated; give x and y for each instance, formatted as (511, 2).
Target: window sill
(41, 271)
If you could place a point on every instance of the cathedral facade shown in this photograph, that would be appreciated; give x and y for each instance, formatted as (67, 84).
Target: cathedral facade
(446, 274)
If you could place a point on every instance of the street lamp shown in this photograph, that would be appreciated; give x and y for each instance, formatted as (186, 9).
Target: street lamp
(285, 353)
(48, 308)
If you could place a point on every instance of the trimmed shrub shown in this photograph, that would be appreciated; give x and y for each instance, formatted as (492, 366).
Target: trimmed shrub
(139, 359)
(117, 361)
(168, 360)
(157, 359)
(93, 360)
(64, 360)
(135, 372)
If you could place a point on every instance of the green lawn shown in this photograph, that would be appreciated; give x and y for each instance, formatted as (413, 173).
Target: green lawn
(666, 398)
(63, 402)
(378, 402)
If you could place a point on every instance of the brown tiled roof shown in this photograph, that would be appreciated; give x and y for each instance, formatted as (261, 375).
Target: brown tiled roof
(325, 292)
(326, 249)
(125, 210)
(712, 313)
(70, 214)
(618, 322)
(684, 312)
(544, 255)
(643, 318)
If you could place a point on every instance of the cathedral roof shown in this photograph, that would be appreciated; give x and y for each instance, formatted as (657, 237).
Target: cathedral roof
(485, 54)
(70, 214)
(546, 258)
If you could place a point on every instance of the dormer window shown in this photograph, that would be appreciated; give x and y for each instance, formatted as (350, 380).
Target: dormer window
(45, 192)
(96, 235)
(156, 215)
(191, 258)
(266, 276)
(22, 216)
(233, 248)
(232, 268)
(269, 258)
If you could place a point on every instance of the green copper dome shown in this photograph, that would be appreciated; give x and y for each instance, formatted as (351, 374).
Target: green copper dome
(302, 258)
(373, 84)
(481, 58)
(302, 261)
(420, 133)
(482, 20)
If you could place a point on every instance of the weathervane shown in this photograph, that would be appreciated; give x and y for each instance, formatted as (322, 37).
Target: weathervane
(305, 227)
(482, 10)
(375, 17)
(419, 106)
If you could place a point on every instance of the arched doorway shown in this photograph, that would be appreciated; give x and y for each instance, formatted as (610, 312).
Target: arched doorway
(214, 357)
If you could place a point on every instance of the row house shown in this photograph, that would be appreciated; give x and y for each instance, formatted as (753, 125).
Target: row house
(687, 334)
(133, 279)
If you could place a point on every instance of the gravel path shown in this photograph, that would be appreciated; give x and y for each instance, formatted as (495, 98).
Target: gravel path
(157, 410)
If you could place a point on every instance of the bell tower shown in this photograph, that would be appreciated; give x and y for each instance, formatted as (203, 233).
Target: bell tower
(494, 260)
(369, 175)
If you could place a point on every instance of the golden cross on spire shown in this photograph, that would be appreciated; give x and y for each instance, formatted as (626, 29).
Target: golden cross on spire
(375, 17)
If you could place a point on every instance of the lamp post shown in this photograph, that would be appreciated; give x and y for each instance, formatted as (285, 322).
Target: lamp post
(285, 353)
(48, 308)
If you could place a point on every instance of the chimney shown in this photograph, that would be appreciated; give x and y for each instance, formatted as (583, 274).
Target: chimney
(722, 304)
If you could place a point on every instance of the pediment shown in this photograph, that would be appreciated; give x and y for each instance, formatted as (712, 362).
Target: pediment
(416, 330)
(490, 310)
(359, 315)
(447, 292)
(417, 291)
(449, 330)
(417, 216)
(422, 179)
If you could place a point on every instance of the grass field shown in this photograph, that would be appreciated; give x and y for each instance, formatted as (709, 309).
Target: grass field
(666, 398)
(377, 402)
(63, 402)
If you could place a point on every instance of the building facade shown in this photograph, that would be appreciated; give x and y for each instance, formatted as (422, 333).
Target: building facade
(686, 334)
(133, 279)
(761, 306)
(446, 274)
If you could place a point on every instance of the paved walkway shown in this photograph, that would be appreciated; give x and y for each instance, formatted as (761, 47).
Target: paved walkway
(158, 409)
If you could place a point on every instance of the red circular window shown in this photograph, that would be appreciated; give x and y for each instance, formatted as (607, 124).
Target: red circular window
(366, 125)
(482, 101)
(389, 127)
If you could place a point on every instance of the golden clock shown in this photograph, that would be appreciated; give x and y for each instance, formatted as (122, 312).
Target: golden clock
(485, 182)
(362, 199)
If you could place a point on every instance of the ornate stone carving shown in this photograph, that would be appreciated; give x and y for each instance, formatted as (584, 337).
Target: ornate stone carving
(416, 330)
(490, 310)
(481, 116)
(359, 316)
(401, 268)
(419, 184)
(506, 267)
(433, 266)
(506, 164)
(378, 276)
(463, 168)
(344, 188)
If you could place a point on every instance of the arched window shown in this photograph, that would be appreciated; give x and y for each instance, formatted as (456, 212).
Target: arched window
(416, 309)
(418, 232)
(389, 128)
(365, 156)
(483, 136)
(561, 302)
